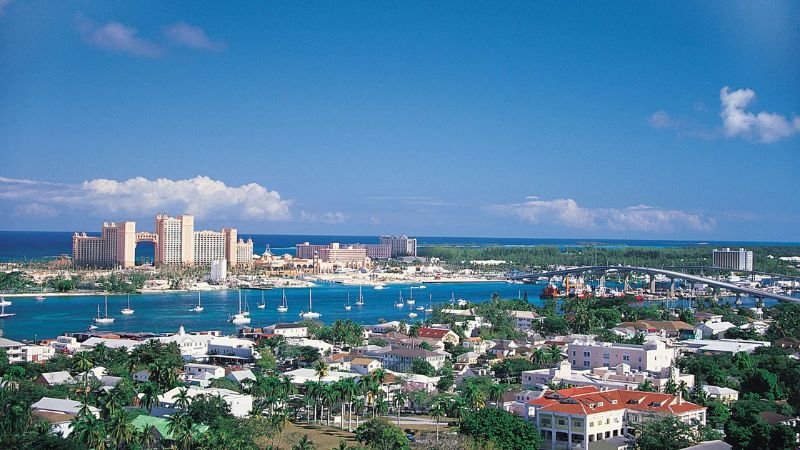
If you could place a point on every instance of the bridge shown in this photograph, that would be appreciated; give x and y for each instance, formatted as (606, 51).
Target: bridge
(704, 269)
(146, 236)
(669, 273)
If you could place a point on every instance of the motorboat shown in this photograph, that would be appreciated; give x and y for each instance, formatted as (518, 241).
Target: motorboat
(422, 286)
(284, 306)
(39, 298)
(199, 307)
(310, 314)
(92, 327)
(103, 320)
(379, 287)
(412, 315)
(420, 308)
(127, 310)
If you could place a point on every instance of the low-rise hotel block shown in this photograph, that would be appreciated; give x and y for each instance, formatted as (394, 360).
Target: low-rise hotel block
(651, 356)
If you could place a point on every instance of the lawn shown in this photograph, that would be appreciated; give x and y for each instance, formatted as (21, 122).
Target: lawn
(324, 437)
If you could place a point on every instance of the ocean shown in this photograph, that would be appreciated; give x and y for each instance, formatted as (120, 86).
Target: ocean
(28, 245)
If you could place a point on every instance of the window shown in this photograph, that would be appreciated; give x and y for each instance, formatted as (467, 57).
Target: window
(586, 364)
(561, 422)
(574, 353)
(626, 357)
(606, 355)
(586, 354)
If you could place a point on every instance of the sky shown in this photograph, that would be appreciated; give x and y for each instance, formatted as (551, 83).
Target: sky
(638, 120)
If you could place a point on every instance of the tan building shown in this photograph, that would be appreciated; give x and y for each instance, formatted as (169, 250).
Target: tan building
(652, 356)
(116, 245)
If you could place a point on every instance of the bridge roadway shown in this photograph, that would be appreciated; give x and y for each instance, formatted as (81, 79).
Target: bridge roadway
(749, 272)
(668, 273)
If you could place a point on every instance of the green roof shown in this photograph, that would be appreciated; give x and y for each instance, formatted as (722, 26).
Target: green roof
(162, 425)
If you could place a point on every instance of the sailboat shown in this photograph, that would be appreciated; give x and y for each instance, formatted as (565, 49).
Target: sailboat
(310, 314)
(428, 308)
(262, 305)
(347, 307)
(4, 302)
(4, 314)
(127, 310)
(246, 310)
(360, 301)
(411, 300)
(400, 303)
(106, 319)
(199, 307)
(240, 318)
(284, 306)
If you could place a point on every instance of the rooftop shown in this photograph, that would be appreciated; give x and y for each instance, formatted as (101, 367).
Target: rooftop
(590, 400)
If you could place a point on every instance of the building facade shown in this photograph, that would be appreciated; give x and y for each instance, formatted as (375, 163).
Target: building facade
(733, 259)
(651, 356)
(401, 245)
(115, 246)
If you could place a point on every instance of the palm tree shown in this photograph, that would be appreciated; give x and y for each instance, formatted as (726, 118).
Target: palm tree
(398, 402)
(496, 392)
(304, 444)
(349, 389)
(671, 387)
(83, 362)
(539, 357)
(474, 397)
(180, 426)
(312, 389)
(321, 369)
(329, 397)
(120, 430)
(89, 430)
(554, 353)
(182, 399)
(438, 410)
(683, 388)
(343, 446)
(150, 393)
(359, 405)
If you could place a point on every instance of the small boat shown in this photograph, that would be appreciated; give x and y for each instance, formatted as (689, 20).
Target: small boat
(39, 298)
(199, 307)
(422, 286)
(4, 302)
(4, 314)
(420, 308)
(428, 310)
(240, 318)
(379, 287)
(400, 303)
(127, 310)
(462, 302)
(284, 306)
(262, 305)
(310, 314)
(412, 315)
(360, 301)
(347, 306)
(246, 311)
(103, 320)
(92, 327)
(411, 300)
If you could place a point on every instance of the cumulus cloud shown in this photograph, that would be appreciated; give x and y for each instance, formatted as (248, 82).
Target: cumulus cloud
(764, 126)
(186, 35)
(566, 212)
(117, 37)
(328, 217)
(136, 197)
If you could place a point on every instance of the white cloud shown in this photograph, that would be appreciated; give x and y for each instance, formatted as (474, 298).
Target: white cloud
(328, 217)
(117, 37)
(567, 212)
(764, 126)
(183, 34)
(137, 197)
(3, 5)
(35, 210)
(661, 119)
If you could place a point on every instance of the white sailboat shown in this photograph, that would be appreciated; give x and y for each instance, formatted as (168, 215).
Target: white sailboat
(106, 319)
(284, 306)
(4, 302)
(199, 307)
(262, 305)
(379, 287)
(347, 306)
(246, 310)
(240, 318)
(360, 301)
(127, 310)
(310, 314)
(412, 315)
(411, 300)
(4, 314)
(400, 303)
(428, 308)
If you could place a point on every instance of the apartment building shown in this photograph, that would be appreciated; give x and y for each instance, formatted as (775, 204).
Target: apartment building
(651, 356)
(401, 358)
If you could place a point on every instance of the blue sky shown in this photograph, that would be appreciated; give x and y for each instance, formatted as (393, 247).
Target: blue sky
(631, 119)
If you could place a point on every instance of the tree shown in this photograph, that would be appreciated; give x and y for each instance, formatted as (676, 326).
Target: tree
(380, 434)
(422, 367)
(512, 368)
(501, 429)
(646, 386)
(150, 393)
(89, 430)
(764, 383)
(120, 430)
(304, 444)
(321, 370)
(438, 410)
(180, 426)
(399, 401)
(663, 432)
(496, 392)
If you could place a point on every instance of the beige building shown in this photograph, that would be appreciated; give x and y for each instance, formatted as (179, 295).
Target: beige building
(116, 245)
(652, 356)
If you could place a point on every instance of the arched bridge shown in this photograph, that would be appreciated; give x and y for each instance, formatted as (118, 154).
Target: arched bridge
(669, 273)
(146, 236)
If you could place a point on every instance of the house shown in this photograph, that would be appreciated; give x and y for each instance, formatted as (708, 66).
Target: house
(526, 320)
(112, 343)
(239, 376)
(477, 344)
(161, 427)
(722, 394)
(193, 346)
(364, 366)
(504, 349)
(468, 358)
(710, 445)
(55, 378)
(240, 404)
(774, 418)
(288, 330)
(300, 376)
(439, 334)
(703, 317)
(618, 377)
(714, 329)
(400, 358)
(230, 349)
(141, 376)
(651, 356)
(723, 345)
(383, 328)
(66, 344)
(415, 382)
(37, 353)
(13, 349)
(663, 328)
(202, 374)
(323, 347)
(576, 417)
(59, 413)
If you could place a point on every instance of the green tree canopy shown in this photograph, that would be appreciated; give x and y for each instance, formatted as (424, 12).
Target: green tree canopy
(500, 428)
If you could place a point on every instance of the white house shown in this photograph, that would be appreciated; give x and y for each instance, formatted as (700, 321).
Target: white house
(232, 349)
(525, 320)
(202, 374)
(37, 353)
(287, 330)
(711, 329)
(239, 376)
(723, 394)
(55, 378)
(66, 344)
(364, 366)
(193, 346)
(59, 413)
(240, 404)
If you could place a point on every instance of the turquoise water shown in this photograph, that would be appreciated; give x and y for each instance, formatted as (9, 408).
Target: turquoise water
(165, 312)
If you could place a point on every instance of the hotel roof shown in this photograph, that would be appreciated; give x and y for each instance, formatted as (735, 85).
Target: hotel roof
(590, 400)
(435, 333)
